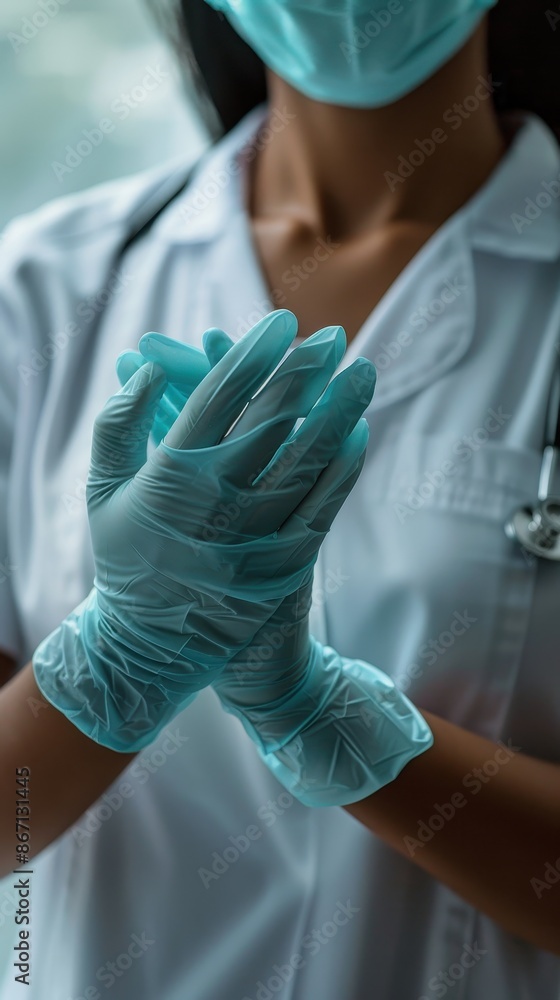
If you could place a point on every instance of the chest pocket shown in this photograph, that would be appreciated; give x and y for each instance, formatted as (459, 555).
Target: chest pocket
(437, 595)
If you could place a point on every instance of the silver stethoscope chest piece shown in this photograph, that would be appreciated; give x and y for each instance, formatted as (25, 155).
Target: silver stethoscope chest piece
(538, 530)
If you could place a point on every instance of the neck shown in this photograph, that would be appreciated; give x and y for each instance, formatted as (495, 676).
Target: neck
(341, 170)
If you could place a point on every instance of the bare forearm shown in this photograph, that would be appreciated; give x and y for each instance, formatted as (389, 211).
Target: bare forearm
(482, 819)
(68, 771)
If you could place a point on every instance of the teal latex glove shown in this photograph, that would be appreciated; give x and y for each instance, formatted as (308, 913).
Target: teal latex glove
(193, 549)
(332, 730)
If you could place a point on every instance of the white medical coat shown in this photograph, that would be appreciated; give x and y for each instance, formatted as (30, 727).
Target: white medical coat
(417, 576)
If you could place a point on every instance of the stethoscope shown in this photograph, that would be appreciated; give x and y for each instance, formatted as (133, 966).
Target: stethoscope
(537, 530)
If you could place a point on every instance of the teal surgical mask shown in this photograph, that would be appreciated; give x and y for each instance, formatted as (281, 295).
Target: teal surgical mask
(357, 53)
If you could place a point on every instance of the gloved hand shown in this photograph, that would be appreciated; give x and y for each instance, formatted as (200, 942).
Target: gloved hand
(192, 555)
(333, 730)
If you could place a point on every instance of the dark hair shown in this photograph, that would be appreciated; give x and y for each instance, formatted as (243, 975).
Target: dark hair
(230, 78)
(525, 58)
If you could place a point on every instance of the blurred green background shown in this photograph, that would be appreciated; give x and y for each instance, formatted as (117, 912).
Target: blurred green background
(64, 66)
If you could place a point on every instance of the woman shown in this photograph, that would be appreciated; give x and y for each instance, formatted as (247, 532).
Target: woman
(385, 192)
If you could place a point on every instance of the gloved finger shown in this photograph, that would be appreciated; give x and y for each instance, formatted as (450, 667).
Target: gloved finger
(177, 362)
(297, 384)
(216, 344)
(164, 419)
(289, 395)
(122, 429)
(185, 366)
(170, 404)
(298, 464)
(128, 363)
(220, 398)
(337, 481)
(322, 503)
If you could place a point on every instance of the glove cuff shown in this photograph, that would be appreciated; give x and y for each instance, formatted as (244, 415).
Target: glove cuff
(359, 734)
(76, 674)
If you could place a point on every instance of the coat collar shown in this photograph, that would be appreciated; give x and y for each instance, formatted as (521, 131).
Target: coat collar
(516, 213)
